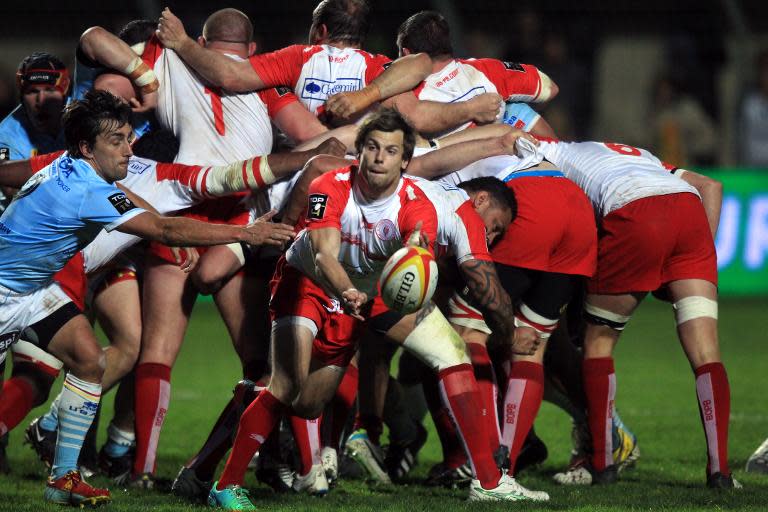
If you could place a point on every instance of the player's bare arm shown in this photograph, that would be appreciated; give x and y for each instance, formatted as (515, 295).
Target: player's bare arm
(181, 231)
(15, 173)
(457, 156)
(298, 123)
(216, 68)
(297, 201)
(434, 117)
(103, 47)
(326, 243)
(486, 291)
(402, 75)
(711, 195)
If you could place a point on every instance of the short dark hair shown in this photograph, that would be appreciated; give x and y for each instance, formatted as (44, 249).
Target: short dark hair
(160, 145)
(388, 120)
(500, 193)
(346, 20)
(229, 26)
(137, 31)
(85, 119)
(427, 32)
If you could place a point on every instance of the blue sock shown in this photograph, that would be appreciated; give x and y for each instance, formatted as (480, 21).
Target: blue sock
(50, 420)
(78, 403)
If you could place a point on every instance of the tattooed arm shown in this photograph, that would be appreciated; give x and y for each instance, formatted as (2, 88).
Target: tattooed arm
(486, 292)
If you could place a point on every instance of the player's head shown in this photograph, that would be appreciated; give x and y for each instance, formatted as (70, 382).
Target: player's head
(385, 145)
(137, 32)
(425, 32)
(340, 21)
(229, 27)
(97, 128)
(494, 202)
(43, 82)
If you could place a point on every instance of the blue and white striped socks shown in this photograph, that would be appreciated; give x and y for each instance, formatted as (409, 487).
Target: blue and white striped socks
(78, 403)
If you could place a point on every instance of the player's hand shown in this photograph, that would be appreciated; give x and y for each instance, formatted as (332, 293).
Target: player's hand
(509, 141)
(148, 102)
(486, 108)
(331, 146)
(525, 341)
(353, 300)
(264, 232)
(417, 238)
(346, 104)
(170, 30)
(186, 258)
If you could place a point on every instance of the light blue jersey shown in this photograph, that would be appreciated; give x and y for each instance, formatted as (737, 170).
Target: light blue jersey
(18, 139)
(59, 211)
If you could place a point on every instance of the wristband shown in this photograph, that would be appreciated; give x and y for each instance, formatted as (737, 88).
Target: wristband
(142, 76)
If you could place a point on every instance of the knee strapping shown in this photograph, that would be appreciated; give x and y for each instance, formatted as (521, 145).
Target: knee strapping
(694, 307)
(600, 316)
(436, 343)
(525, 316)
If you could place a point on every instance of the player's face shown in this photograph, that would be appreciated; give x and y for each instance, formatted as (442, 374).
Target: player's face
(43, 104)
(496, 220)
(381, 162)
(111, 151)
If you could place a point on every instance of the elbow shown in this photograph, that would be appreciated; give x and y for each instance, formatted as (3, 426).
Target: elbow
(91, 39)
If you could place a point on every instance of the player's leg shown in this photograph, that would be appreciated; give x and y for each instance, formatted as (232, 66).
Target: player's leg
(76, 346)
(167, 300)
(695, 305)
(607, 315)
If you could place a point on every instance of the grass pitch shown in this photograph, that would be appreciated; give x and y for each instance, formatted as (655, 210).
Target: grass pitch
(656, 398)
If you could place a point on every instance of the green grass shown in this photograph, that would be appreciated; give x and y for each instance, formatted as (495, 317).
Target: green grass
(656, 397)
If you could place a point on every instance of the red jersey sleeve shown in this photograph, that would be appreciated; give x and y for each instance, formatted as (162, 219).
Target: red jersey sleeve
(472, 242)
(281, 67)
(152, 51)
(277, 98)
(513, 81)
(416, 207)
(327, 198)
(39, 161)
(374, 65)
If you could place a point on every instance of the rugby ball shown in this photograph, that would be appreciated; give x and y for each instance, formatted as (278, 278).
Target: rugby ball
(409, 279)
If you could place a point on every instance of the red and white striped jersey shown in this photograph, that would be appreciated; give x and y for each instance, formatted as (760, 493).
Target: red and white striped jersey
(318, 71)
(214, 126)
(463, 79)
(612, 175)
(372, 231)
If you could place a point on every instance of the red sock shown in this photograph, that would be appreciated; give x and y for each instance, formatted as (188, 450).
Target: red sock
(307, 436)
(489, 391)
(15, 403)
(153, 394)
(460, 395)
(525, 389)
(453, 451)
(341, 404)
(600, 387)
(714, 396)
(256, 423)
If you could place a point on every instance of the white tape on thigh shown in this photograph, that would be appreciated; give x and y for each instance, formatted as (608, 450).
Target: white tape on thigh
(694, 307)
(295, 321)
(237, 249)
(26, 351)
(436, 343)
(463, 314)
(613, 320)
(525, 316)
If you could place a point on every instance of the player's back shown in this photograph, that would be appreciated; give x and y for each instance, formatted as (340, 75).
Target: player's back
(214, 126)
(613, 174)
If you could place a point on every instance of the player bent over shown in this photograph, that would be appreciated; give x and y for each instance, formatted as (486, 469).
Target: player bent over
(59, 211)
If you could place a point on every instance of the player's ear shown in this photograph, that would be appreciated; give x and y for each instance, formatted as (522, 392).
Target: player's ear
(404, 164)
(405, 51)
(85, 149)
(202, 41)
(252, 48)
(481, 198)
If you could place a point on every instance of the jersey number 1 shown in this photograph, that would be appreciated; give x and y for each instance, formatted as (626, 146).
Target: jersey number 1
(218, 110)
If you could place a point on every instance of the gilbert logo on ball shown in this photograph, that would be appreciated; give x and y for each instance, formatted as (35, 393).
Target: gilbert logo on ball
(409, 279)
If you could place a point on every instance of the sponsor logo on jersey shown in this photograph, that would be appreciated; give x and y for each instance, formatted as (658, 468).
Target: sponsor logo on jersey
(337, 60)
(137, 166)
(121, 203)
(6, 340)
(514, 66)
(385, 229)
(317, 89)
(450, 76)
(5, 154)
(317, 203)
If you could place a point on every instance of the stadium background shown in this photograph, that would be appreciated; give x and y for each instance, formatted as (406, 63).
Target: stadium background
(608, 60)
